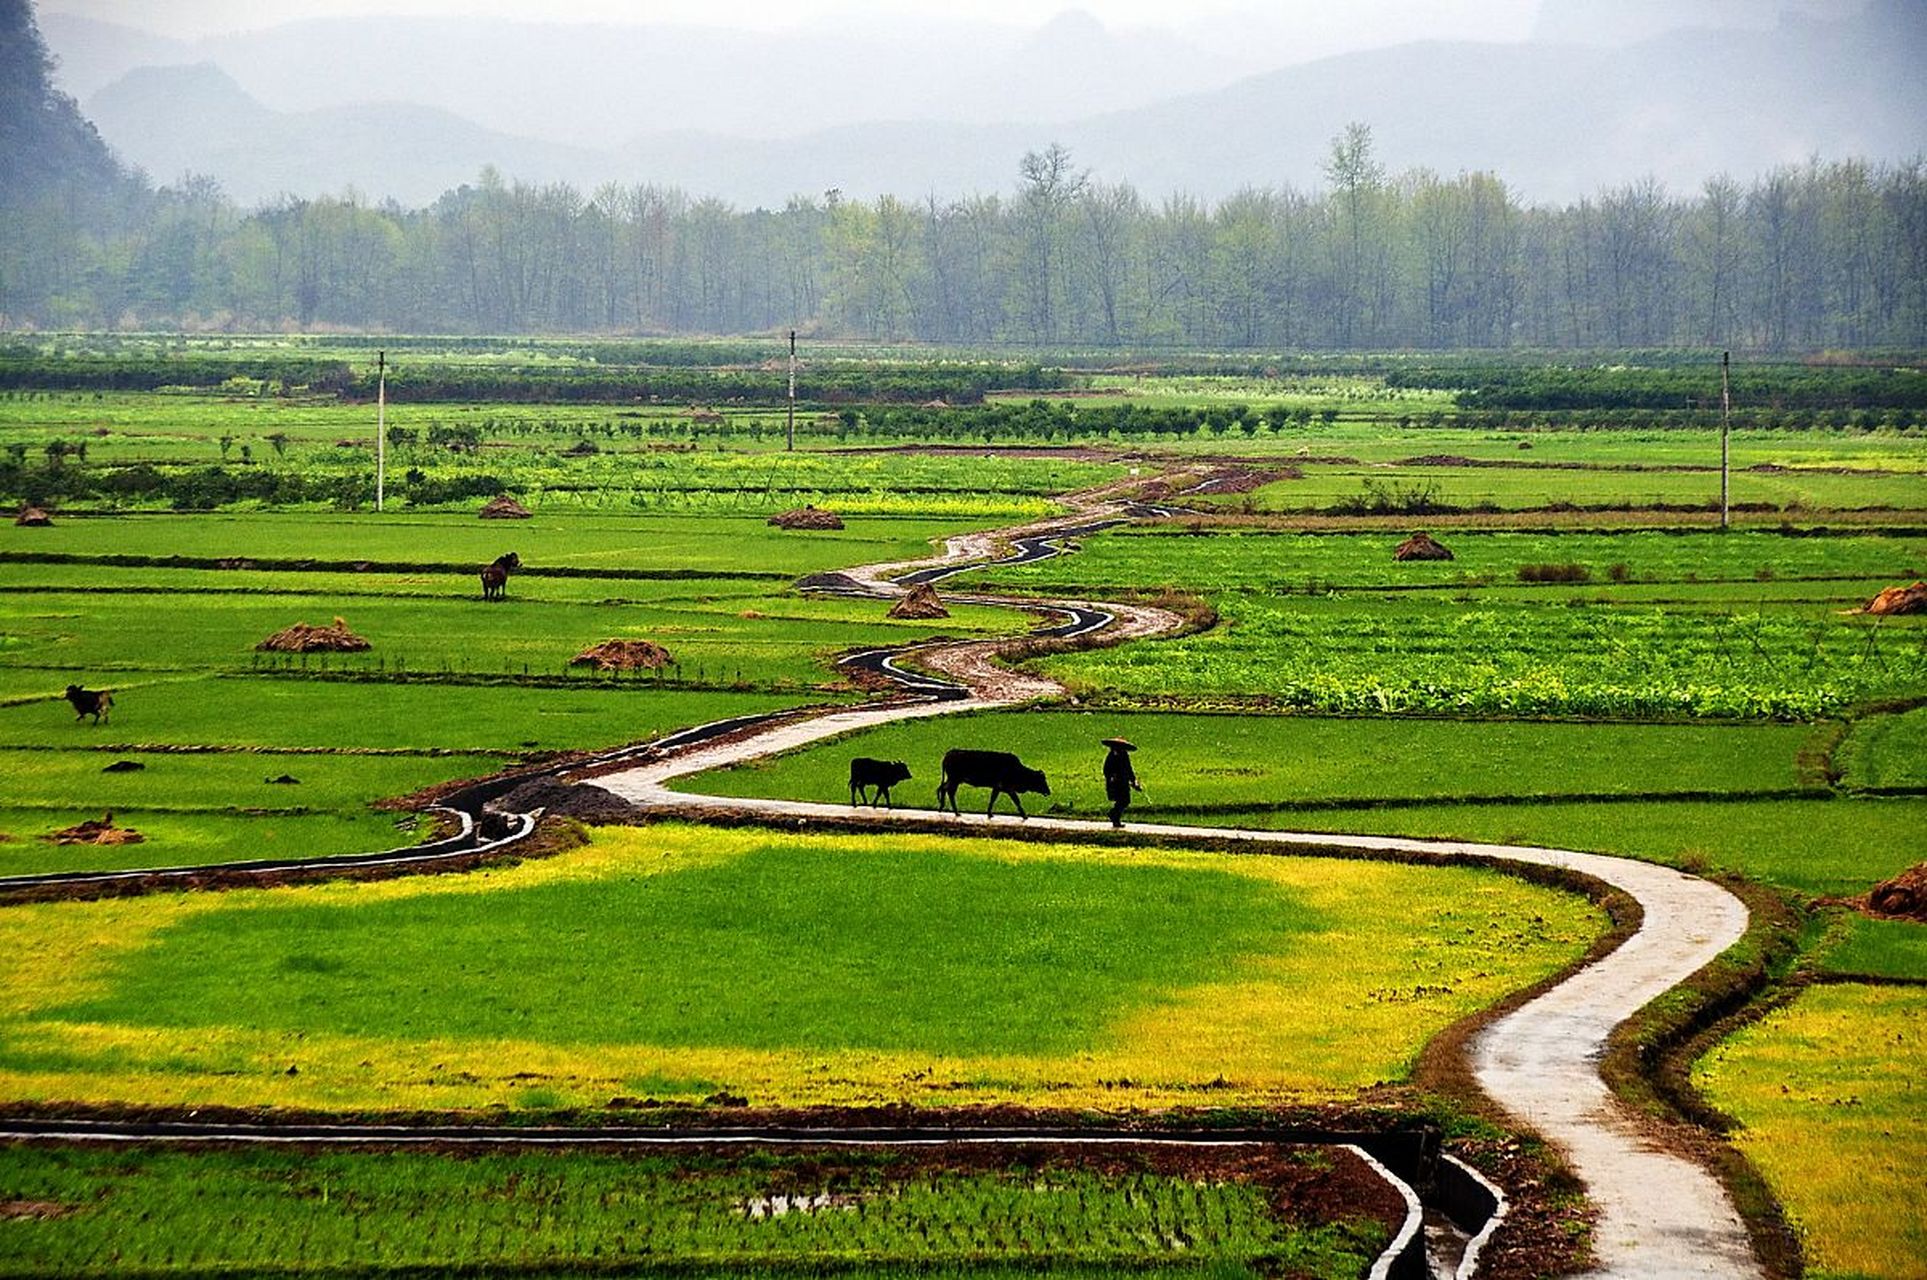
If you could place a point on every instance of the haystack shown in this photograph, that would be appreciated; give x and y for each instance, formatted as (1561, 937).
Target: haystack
(1420, 546)
(302, 638)
(920, 604)
(102, 831)
(1905, 895)
(1897, 600)
(623, 655)
(806, 517)
(33, 518)
(503, 507)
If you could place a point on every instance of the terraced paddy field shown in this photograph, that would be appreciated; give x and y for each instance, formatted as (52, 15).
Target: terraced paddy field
(702, 1212)
(678, 963)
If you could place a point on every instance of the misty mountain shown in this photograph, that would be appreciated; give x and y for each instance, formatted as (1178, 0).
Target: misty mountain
(600, 85)
(90, 54)
(48, 150)
(1556, 121)
(175, 120)
(1629, 21)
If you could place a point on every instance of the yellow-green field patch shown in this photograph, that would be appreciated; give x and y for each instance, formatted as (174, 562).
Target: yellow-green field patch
(1835, 1115)
(679, 962)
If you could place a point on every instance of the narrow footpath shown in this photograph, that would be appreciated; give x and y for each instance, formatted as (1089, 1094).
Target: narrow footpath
(1660, 1215)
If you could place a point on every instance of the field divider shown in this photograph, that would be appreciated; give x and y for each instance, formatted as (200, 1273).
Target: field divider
(274, 564)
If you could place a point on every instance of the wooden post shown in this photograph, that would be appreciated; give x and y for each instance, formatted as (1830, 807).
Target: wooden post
(1726, 456)
(381, 426)
(789, 435)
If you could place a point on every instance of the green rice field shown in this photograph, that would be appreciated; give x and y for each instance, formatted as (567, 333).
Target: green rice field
(700, 1212)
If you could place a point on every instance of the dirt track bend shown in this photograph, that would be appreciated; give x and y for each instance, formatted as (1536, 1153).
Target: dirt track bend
(1660, 1215)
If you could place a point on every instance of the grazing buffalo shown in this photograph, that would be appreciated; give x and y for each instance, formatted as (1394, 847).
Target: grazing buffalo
(495, 578)
(90, 702)
(881, 774)
(999, 770)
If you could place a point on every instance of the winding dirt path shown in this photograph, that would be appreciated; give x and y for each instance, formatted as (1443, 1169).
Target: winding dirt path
(1660, 1215)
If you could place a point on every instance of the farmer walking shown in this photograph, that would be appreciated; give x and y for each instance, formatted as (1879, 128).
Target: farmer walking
(1120, 780)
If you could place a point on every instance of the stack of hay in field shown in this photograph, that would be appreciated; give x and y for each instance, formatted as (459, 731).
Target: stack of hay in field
(503, 507)
(1905, 895)
(922, 603)
(101, 831)
(33, 517)
(806, 517)
(623, 655)
(1420, 546)
(302, 638)
(1899, 600)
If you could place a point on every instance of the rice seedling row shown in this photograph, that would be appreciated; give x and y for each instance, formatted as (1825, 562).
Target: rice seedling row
(85, 1212)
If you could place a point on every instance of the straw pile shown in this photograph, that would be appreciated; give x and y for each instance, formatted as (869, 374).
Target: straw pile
(1899, 600)
(806, 517)
(503, 507)
(1420, 546)
(623, 655)
(100, 832)
(302, 638)
(920, 604)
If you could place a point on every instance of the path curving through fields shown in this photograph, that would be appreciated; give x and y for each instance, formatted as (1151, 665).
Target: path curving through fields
(1660, 1215)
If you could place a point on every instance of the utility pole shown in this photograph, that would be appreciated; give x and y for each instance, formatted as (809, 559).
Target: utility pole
(381, 425)
(1726, 414)
(790, 435)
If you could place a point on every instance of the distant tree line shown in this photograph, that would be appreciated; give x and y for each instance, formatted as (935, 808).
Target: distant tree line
(1808, 257)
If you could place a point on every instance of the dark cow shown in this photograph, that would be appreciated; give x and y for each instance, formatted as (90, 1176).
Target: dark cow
(881, 774)
(495, 578)
(90, 702)
(1001, 771)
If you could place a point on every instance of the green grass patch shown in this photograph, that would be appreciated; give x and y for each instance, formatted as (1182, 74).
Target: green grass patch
(877, 1213)
(171, 838)
(1189, 762)
(763, 640)
(787, 969)
(1516, 488)
(1864, 947)
(1828, 1095)
(1688, 794)
(1822, 848)
(1224, 561)
(1885, 751)
(266, 711)
(572, 540)
(781, 948)
(203, 781)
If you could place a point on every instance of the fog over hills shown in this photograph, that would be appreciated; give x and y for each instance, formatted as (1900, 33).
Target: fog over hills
(408, 107)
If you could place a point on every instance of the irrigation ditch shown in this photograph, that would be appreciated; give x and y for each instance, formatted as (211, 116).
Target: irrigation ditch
(1659, 1212)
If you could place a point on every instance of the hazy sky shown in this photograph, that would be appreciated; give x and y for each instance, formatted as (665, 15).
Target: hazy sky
(1366, 21)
